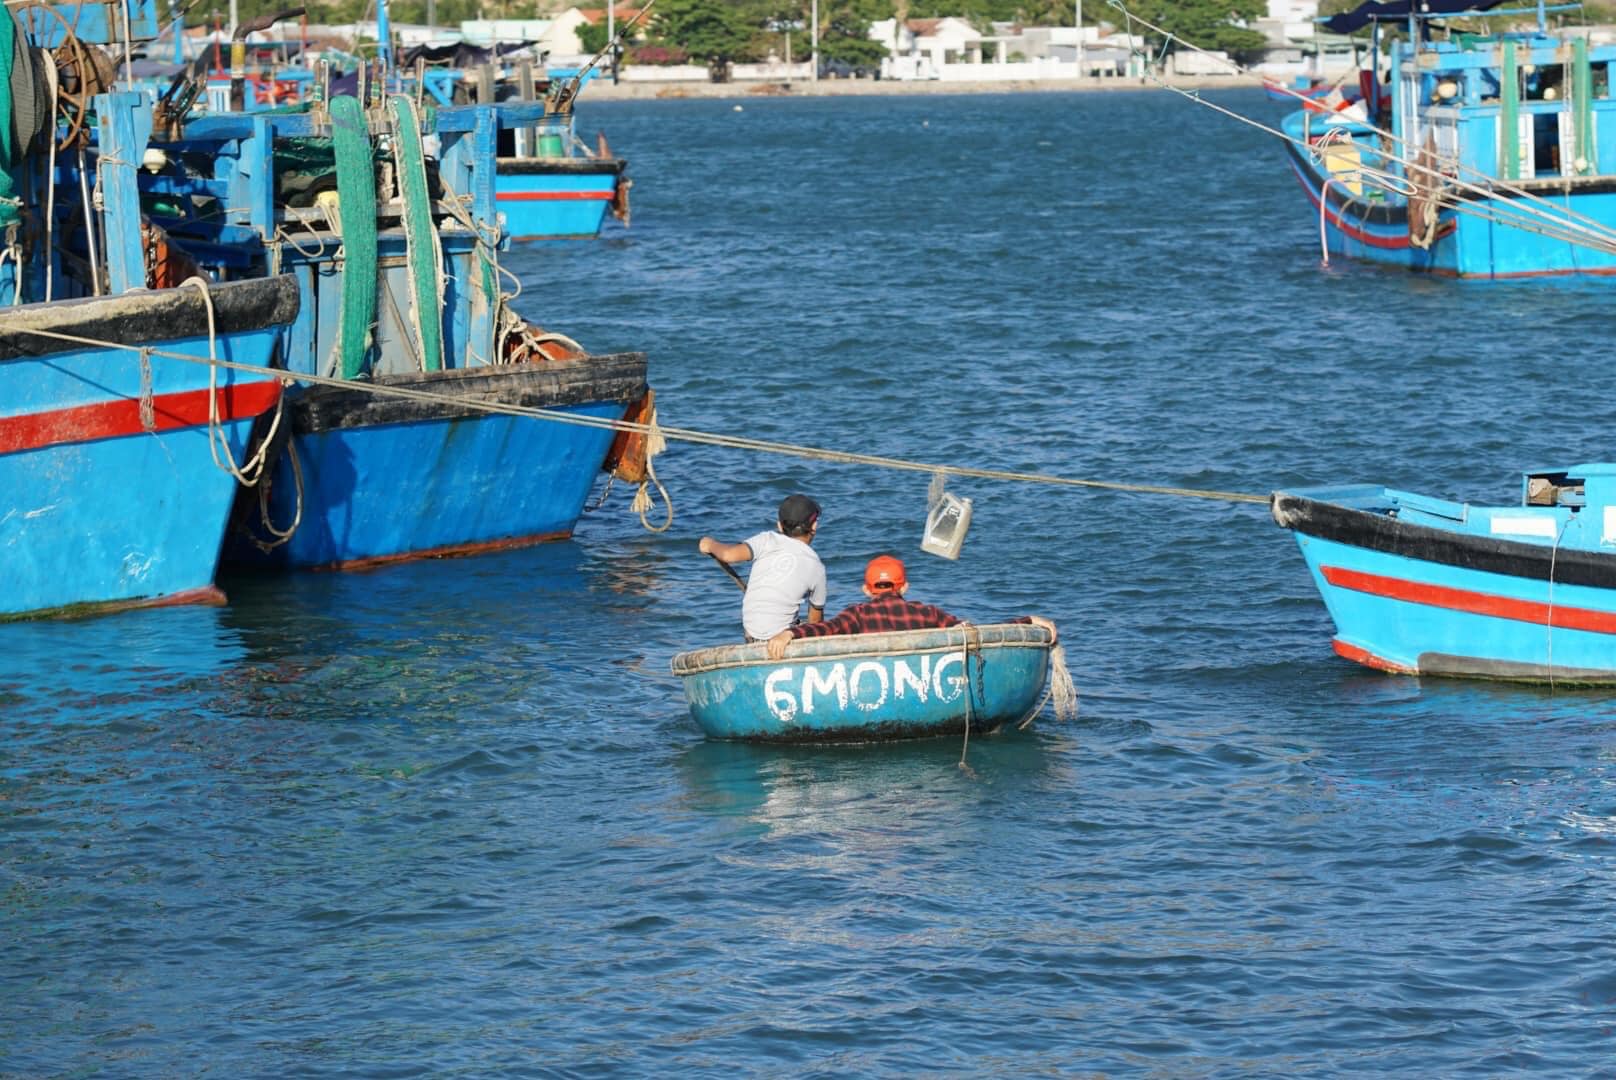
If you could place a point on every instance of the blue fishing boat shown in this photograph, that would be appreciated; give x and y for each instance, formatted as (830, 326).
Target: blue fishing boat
(866, 687)
(1485, 155)
(420, 436)
(1424, 586)
(560, 191)
(114, 459)
(548, 184)
(122, 435)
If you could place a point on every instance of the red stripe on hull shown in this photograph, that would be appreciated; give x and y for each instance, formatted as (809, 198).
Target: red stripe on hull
(112, 419)
(1473, 603)
(1369, 659)
(551, 196)
(210, 595)
(1364, 236)
(448, 551)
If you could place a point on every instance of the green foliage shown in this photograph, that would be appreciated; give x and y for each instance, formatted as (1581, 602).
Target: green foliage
(1203, 23)
(705, 29)
(979, 13)
(844, 30)
(592, 37)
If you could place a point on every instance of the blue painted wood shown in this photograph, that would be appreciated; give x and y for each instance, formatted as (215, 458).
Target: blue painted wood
(124, 127)
(112, 520)
(868, 687)
(1429, 586)
(388, 491)
(92, 23)
(375, 485)
(555, 206)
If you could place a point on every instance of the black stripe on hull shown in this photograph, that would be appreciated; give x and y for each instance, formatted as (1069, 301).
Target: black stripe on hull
(1475, 667)
(549, 384)
(536, 166)
(150, 318)
(1383, 533)
(1373, 213)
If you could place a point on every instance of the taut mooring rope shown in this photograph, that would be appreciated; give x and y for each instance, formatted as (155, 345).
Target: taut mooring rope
(689, 435)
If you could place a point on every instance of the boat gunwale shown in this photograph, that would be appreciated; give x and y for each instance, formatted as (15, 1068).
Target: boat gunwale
(617, 378)
(854, 646)
(1381, 532)
(143, 318)
(560, 166)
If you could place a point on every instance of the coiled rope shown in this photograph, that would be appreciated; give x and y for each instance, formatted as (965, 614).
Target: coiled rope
(252, 471)
(688, 435)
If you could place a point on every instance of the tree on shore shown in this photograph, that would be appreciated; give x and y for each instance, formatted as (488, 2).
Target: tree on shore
(710, 30)
(844, 31)
(1206, 24)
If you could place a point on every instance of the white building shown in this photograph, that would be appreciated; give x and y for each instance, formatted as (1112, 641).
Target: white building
(952, 50)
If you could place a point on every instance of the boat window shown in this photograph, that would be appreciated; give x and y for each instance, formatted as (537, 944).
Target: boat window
(1543, 83)
(1554, 489)
(1601, 79)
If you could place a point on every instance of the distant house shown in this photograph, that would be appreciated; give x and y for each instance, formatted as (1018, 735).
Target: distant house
(952, 49)
(946, 41)
(597, 16)
(919, 48)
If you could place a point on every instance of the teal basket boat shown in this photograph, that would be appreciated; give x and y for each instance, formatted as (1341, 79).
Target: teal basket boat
(867, 687)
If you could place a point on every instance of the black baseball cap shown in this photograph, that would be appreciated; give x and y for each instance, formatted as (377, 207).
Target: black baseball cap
(798, 513)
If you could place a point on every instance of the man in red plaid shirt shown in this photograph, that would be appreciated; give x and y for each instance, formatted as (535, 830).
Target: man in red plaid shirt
(886, 609)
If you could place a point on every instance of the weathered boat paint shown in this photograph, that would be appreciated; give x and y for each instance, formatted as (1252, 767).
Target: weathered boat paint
(113, 498)
(866, 687)
(380, 479)
(1417, 585)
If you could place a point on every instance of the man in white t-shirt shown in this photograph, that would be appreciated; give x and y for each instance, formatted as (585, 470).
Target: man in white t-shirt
(785, 570)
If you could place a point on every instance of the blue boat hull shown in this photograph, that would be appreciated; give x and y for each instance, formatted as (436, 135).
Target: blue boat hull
(113, 494)
(867, 687)
(556, 199)
(1510, 593)
(371, 479)
(1471, 245)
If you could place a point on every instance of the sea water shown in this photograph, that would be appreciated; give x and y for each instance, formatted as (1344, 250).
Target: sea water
(452, 818)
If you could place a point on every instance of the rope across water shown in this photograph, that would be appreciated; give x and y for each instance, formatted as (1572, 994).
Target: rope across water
(689, 435)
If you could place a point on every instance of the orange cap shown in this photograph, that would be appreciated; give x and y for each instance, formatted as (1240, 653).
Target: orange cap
(884, 572)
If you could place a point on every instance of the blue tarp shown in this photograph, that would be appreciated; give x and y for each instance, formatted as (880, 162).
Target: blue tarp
(1364, 14)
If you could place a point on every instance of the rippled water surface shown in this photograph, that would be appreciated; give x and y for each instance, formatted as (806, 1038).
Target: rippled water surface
(453, 819)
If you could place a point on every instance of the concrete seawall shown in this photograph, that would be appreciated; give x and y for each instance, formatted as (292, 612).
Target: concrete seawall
(602, 89)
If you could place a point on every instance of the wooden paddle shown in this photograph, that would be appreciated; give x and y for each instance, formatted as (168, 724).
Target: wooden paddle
(730, 570)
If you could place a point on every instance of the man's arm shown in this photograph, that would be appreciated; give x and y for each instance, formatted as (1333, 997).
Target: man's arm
(815, 614)
(728, 553)
(848, 622)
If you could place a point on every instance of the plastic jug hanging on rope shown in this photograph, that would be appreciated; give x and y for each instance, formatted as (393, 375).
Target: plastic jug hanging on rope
(948, 518)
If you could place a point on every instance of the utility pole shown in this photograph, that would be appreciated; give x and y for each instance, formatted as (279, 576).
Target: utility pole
(233, 20)
(814, 55)
(1079, 39)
